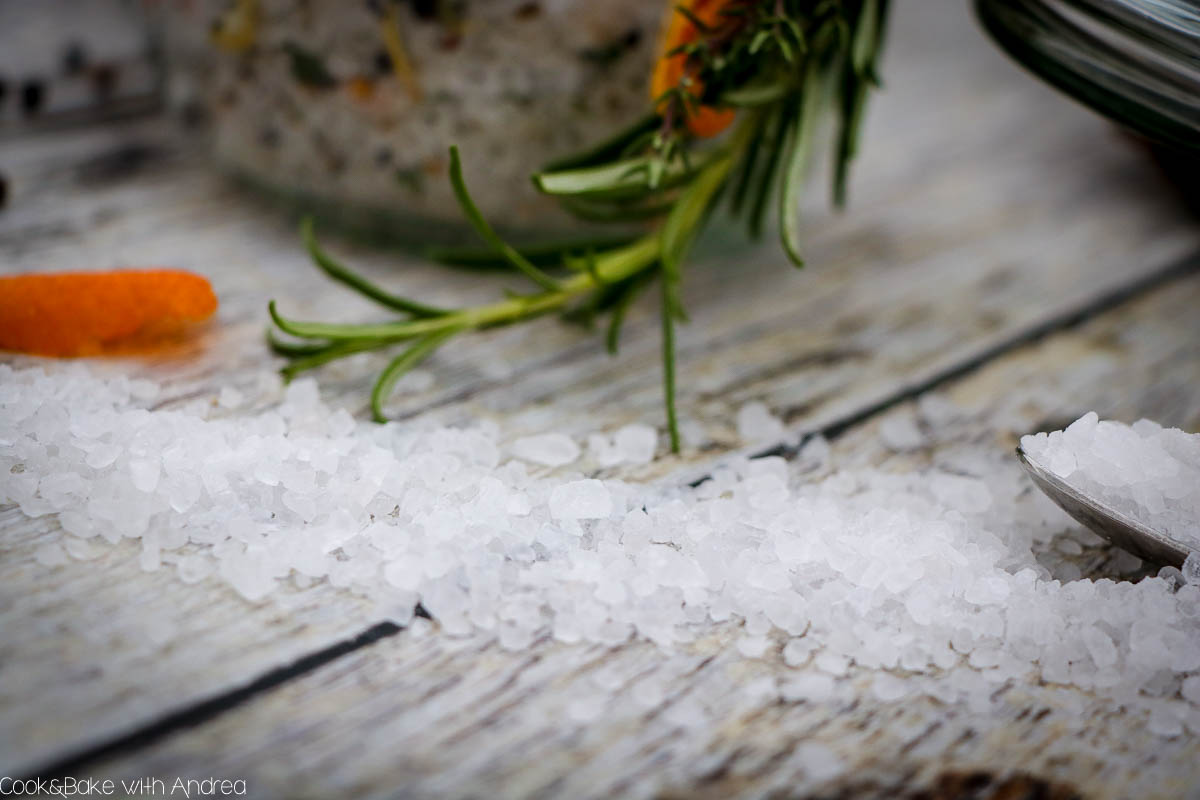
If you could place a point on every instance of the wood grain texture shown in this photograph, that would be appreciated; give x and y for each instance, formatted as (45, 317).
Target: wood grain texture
(449, 718)
(984, 206)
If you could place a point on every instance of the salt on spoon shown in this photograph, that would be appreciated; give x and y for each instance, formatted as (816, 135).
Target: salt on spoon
(1137, 486)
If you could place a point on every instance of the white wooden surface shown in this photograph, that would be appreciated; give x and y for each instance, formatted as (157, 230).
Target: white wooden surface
(984, 207)
(437, 717)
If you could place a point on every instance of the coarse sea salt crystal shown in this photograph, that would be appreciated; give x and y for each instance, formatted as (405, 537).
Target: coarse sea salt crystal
(813, 687)
(632, 444)
(648, 693)
(1191, 689)
(818, 761)
(82, 549)
(635, 444)
(956, 575)
(753, 646)
(1191, 568)
(900, 433)
(50, 554)
(587, 709)
(143, 473)
(1146, 471)
(756, 424)
(230, 397)
(547, 449)
(585, 499)
(193, 569)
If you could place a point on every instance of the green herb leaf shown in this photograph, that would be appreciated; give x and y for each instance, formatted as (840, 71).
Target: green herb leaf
(331, 352)
(612, 148)
(293, 349)
(629, 178)
(485, 231)
(345, 276)
(799, 151)
(777, 135)
(308, 68)
(755, 96)
(322, 330)
(414, 355)
(684, 223)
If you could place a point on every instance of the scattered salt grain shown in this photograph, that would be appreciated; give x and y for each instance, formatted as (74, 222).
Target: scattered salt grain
(587, 709)
(753, 646)
(419, 628)
(813, 687)
(50, 554)
(818, 761)
(635, 444)
(547, 449)
(890, 688)
(632, 444)
(83, 549)
(585, 499)
(900, 433)
(1191, 689)
(230, 397)
(757, 425)
(193, 569)
(1191, 568)
(936, 410)
(797, 652)
(648, 693)
(1068, 546)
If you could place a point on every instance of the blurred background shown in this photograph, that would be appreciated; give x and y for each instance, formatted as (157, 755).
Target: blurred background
(71, 62)
(321, 103)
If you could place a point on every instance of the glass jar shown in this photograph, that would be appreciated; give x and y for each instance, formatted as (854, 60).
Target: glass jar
(1135, 61)
(349, 107)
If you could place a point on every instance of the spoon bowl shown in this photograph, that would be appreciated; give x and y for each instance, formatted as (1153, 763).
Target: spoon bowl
(1103, 520)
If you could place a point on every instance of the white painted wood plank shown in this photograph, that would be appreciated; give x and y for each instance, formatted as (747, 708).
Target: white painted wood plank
(983, 205)
(449, 718)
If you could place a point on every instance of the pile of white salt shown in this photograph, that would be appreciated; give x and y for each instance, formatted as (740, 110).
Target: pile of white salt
(928, 582)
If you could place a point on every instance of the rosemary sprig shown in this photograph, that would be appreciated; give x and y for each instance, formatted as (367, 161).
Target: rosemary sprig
(782, 66)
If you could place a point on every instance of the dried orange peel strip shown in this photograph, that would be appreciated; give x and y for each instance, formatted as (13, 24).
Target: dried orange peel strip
(91, 313)
(672, 67)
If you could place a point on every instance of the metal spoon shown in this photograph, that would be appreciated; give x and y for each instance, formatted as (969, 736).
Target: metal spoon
(1118, 528)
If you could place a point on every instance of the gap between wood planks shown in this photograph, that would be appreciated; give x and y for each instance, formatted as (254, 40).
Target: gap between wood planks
(198, 713)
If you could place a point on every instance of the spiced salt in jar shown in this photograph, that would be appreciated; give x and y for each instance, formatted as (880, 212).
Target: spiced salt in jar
(349, 108)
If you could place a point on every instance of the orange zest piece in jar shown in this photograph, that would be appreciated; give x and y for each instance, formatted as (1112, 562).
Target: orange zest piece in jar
(91, 313)
(672, 67)
(360, 88)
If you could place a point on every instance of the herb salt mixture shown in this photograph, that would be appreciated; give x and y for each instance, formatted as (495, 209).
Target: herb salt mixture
(354, 103)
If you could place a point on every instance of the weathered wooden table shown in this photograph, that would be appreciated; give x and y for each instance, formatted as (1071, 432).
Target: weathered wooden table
(1003, 247)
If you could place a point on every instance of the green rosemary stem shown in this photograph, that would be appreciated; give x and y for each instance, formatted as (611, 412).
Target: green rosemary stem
(337, 272)
(417, 352)
(610, 267)
(668, 313)
(330, 353)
